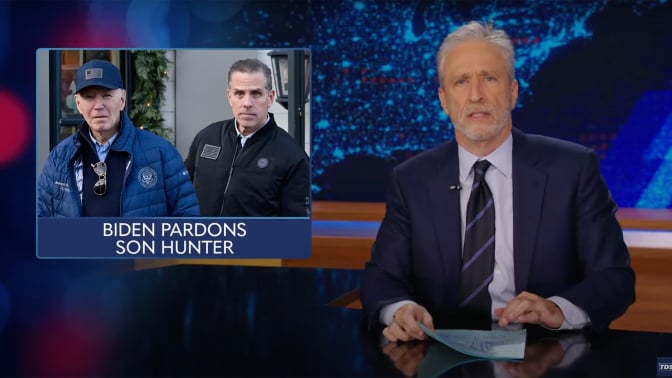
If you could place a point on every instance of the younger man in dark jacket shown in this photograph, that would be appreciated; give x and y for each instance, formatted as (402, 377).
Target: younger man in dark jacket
(248, 166)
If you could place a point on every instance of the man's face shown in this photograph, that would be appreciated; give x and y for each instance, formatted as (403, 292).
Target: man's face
(478, 94)
(249, 100)
(101, 108)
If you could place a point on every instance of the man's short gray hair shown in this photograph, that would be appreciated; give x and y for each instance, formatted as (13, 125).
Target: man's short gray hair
(482, 32)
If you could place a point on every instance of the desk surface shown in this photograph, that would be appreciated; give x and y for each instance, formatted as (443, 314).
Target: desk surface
(192, 320)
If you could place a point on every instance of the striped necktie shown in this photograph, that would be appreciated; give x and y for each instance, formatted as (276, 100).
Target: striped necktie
(478, 255)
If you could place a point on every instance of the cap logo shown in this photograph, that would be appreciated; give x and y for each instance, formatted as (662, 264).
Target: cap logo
(93, 73)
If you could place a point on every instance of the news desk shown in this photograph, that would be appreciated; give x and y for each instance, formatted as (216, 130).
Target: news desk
(214, 320)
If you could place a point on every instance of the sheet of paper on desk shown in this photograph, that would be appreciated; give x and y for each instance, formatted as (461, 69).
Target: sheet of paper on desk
(495, 344)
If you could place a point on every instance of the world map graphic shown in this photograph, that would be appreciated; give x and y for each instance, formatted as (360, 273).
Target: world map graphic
(374, 100)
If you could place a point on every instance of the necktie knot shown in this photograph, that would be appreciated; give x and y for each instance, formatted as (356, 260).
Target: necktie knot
(480, 167)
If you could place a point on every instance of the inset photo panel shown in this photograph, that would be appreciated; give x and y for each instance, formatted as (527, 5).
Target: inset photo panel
(160, 145)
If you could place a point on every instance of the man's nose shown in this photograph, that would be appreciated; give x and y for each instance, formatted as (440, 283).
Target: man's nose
(476, 91)
(247, 102)
(98, 102)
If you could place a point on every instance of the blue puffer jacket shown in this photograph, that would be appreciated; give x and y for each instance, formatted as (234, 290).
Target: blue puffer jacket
(156, 182)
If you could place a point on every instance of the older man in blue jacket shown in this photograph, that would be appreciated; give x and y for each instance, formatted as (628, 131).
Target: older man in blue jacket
(110, 168)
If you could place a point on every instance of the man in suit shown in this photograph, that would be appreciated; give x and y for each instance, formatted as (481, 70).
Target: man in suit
(559, 256)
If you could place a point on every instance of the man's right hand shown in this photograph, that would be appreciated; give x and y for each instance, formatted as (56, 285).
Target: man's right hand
(404, 326)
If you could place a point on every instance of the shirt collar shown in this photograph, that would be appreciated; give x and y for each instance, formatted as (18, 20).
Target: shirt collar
(500, 158)
(244, 138)
(100, 147)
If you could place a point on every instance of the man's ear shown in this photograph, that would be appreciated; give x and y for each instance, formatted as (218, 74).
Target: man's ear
(514, 93)
(271, 97)
(76, 96)
(228, 96)
(443, 100)
(123, 99)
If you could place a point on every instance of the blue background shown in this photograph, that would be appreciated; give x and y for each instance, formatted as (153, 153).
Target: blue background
(597, 73)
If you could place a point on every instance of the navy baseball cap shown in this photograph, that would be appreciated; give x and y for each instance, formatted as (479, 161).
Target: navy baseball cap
(99, 73)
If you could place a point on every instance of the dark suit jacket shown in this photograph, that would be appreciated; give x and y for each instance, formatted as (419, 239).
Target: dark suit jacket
(566, 241)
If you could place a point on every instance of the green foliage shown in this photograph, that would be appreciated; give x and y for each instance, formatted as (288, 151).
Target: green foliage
(148, 90)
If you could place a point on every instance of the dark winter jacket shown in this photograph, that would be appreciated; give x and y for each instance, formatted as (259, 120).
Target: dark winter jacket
(270, 177)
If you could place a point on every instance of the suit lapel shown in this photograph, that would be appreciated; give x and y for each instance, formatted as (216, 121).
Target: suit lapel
(529, 184)
(445, 218)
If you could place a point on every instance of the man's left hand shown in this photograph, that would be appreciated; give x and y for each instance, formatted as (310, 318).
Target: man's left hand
(530, 308)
